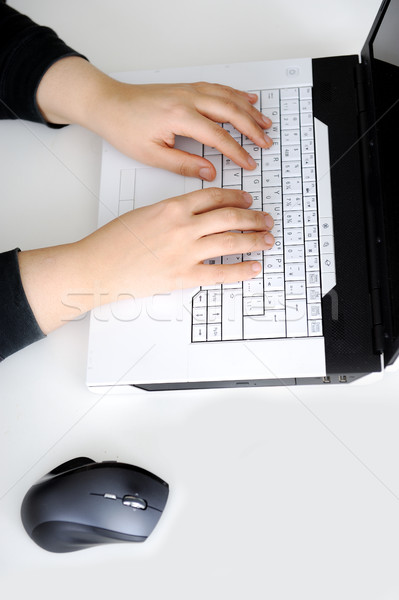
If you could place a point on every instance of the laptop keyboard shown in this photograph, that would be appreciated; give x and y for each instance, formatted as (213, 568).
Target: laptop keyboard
(284, 300)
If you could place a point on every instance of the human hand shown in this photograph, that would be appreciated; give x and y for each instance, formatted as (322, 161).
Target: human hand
(150, 250)
(162, 247)
(142, 120)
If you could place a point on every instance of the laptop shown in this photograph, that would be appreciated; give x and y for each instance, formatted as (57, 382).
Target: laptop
(325, 307)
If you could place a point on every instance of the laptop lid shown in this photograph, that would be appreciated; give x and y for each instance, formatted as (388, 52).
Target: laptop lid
(380, 60)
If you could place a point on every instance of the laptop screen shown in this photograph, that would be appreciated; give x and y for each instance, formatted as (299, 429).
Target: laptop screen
(383, 50)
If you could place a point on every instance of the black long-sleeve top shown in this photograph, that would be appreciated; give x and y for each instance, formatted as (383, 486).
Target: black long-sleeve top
(27, 50)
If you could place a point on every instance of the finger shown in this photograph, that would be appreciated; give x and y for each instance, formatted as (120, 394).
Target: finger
(213, 198)
(230, 243)
(225, 110)
(232, 218)
(211, 134)
(236, 98)
(217, 274)
(183, 163)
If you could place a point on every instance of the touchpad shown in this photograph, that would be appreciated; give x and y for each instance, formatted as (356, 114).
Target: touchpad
(153, 185)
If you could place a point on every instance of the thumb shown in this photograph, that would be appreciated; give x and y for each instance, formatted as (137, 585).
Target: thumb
(183, 163)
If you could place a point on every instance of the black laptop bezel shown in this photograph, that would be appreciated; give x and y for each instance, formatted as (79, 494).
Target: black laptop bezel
(374, 197)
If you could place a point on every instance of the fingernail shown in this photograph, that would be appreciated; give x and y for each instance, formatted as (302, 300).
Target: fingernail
(269, 221)
(256, 267)
(248, 198)
(269, 239)
(253, 97)
(267, 122)
(268, 140)
(251, 162)
(205, 173)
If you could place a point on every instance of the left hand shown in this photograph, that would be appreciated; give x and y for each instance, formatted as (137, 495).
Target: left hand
(142, 120)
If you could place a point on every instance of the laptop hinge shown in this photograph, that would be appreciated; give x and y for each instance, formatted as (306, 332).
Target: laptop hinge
(366, 148)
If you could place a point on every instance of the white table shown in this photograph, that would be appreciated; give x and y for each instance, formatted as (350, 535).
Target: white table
(275, 494)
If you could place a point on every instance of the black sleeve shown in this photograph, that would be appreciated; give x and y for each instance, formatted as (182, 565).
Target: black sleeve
(18, 326)
(27, 50)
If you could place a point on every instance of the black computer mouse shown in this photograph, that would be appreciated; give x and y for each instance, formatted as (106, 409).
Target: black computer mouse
(83, 503)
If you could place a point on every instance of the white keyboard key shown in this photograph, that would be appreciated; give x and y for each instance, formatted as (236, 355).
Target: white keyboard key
(307, 132)
(314, 311)
(295, 272)
(271, 178)
(313, 279)
(292, 185)
(292, 202)
(289, 122)
(270, 98)
(307, 146)
(252, 183)
(214, 298)
(309, 188)
(291, 152)
(315, 328)
(289, 106)
(313, 294)
(293, 218)
(271, 162)
(293, 235)
(274, 131)
(305, 93)
(306, 119)
(273, 282)
(214, 332)
(327, 263)
(278, 229)
(252, 287)
(312, 263)
(200, 299)
(326, 225)
(273, 264)
(232, 177)
(290, 136)
(295, 289)
(293, 254)
(274, 301)
(312, 248)
(231, 259)
(269, 325)
(306, 105)
(310, 217)
(310, 203)
(309, 174)
(327, 244)
(199, 315)
(253, 305)
(287, 93)
(272, 195)
(297, 321)
(311, 232)
(291, 169)
(232, 315)
(257, 255)
(199, 333)
(308, 160)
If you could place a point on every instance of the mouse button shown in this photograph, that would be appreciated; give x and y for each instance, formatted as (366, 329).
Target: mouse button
(74, 463)
(134, 502)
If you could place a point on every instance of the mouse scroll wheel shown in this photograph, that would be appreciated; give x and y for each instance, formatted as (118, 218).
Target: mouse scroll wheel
(134, 502)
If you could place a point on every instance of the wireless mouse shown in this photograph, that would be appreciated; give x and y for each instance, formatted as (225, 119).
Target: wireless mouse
(83, 503)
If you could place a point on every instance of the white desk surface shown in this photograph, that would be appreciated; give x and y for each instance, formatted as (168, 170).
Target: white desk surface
(275, 494)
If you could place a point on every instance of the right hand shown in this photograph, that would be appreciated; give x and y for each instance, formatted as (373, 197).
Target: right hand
(159, 248)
